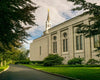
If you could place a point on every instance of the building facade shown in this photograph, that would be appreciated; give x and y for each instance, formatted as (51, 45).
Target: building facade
(63, 40)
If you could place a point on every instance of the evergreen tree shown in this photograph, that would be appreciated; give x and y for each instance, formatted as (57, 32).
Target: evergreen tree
(93, 28)
(14, 13)
(91, 9)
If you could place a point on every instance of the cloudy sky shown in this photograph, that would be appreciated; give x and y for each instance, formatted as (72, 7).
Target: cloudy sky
(60, 11)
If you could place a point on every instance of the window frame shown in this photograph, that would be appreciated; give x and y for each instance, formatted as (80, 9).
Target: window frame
(65, 42)
(40, 50)
(54, 44)
(96, 41)
(79, 42)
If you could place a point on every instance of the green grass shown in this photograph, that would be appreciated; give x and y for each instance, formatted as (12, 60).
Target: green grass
(2, 68)
(82, 73)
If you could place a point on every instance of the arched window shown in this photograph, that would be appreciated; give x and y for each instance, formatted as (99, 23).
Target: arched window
(65, 42)
(79, 42)
(65, 34)
(54, 44)
(54, 37)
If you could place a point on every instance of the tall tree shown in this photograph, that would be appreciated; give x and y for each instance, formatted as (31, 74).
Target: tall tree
(14, 13)
(91, 9)
(9, 54)
(93, 28)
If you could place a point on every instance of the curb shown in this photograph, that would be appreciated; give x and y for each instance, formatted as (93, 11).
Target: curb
(4, 70)
(54, 74)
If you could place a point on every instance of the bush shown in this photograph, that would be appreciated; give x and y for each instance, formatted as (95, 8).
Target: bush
(37, 62)
(75, 61)
(22, 62)
(48, 63)
(28, 62)
(92, 65)
(92, 61)
(52, 60)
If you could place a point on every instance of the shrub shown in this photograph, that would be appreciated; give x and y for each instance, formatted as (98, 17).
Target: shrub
(37, 62)
(92, 65)
(75, 61)
(53, 60)
(92, 61)
(28, 62)
(22, 62)
(48, 63)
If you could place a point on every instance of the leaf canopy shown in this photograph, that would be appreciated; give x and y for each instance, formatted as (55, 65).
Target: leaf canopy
(12, 14)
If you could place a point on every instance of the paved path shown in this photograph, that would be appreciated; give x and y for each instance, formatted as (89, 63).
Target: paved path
(19, 72)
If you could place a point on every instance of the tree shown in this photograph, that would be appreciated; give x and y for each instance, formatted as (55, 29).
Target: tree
(98, 55)
(8, 54)
(13, 14)
(93, 28)
(91, 9)
(27, 54)
(12, 54)
(18, 54)
(1, 61)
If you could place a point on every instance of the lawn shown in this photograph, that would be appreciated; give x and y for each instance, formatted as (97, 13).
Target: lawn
(2, 68)
(82, 73)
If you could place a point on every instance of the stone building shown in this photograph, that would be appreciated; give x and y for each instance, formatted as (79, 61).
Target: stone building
(63, 40)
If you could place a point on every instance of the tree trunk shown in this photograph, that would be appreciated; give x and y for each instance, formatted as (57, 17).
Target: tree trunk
(5, 62)
(1, 63)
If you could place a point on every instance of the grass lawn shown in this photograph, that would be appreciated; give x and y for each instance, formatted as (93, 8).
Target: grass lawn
(82, 73)
(2, 68)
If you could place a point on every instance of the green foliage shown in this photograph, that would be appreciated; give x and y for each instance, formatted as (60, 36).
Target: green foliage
(13, 14)
(19, 55)
(37, 62)
(98, 55)
(93, 26)
(79, 65)
(14, 54)
(52, 60)
(92, 61)
(28, 62)
(48, 63)
(3, 68)
(98, 50)
(92, 9)
(75, 61)
(92, 65)
(22, 62)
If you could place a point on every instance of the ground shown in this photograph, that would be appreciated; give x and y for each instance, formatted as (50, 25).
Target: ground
(82, 73)
(19, 72)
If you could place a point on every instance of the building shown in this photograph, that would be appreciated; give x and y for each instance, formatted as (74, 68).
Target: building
(63, 40)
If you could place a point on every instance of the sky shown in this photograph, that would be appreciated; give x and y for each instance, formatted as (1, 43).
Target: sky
(60, 11)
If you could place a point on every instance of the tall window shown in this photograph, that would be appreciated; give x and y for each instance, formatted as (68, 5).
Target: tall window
(54, 44)
(65, 45)
(40, 50)
(96, 41)
(65, 42)
(79, 42)
(54, 47)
